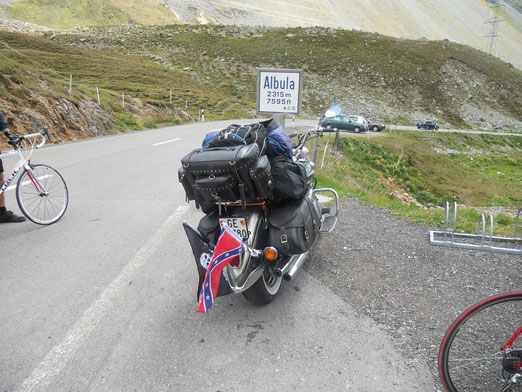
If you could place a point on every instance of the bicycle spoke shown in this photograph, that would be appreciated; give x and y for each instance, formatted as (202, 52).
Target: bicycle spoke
(45, 205)
(471, 358)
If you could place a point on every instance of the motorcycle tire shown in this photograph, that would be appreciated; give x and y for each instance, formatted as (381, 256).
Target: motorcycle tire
(265, 289)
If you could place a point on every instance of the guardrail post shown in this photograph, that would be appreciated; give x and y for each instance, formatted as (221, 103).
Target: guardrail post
(517, 227)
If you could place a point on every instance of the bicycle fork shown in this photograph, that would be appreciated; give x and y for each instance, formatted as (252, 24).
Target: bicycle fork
(36, 182)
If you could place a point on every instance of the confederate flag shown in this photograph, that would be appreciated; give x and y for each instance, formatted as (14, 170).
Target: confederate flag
(228, 248)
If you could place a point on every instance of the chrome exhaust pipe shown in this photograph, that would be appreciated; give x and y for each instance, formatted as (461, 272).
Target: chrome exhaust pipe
(282, 269)
(296, 266)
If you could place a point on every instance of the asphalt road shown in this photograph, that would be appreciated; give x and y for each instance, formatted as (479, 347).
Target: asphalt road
(105, 299)
(303, 124)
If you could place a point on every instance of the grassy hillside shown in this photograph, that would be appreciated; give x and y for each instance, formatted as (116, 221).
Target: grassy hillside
(190, 67)
(65, 14)
(34, 75)
(474, 170)
(395, 80)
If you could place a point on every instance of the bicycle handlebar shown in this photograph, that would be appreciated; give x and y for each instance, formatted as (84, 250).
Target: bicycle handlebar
(15, 139)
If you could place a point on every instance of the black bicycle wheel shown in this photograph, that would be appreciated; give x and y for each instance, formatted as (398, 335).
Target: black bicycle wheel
(42, 206)
(471, 357)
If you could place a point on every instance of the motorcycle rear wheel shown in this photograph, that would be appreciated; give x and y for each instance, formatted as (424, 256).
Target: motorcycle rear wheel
(265, 289)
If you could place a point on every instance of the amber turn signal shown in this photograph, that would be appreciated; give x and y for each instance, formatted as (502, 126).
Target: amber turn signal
(270, 253)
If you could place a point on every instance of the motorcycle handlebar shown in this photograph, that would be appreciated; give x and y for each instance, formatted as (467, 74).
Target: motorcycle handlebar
(310, 134)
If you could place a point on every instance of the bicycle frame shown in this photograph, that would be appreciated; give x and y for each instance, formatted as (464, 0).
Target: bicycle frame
(504, 358)
(507, 348)
(23, 162)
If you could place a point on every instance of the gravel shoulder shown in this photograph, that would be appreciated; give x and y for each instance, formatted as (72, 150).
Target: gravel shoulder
(385, 268)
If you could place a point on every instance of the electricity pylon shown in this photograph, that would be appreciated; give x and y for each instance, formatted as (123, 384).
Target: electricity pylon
(494, 21)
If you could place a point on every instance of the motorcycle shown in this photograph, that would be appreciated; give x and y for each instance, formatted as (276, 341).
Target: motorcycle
(275, 247)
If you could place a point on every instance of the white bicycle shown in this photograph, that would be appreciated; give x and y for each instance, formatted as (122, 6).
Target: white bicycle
(41, 192)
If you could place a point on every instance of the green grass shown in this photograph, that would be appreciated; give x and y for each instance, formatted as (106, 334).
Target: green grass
(44, 65)
(206, 70)
(373, 62)
(365, 168)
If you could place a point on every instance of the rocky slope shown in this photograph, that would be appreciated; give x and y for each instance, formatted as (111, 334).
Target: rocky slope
(460, 21)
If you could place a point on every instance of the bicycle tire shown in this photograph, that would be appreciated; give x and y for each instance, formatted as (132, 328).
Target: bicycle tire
(42, 209)
(470, 356)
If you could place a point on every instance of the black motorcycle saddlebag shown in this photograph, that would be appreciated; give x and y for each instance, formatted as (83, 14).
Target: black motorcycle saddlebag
(293, 226)
(261, 175)
(217, 187)
(189, 188)
(219, 174)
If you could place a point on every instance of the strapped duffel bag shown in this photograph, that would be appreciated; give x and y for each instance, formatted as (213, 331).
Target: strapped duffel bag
(236, 134)
(289, 178)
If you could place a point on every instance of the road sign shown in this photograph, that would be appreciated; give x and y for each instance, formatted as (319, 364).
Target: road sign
(279, 90)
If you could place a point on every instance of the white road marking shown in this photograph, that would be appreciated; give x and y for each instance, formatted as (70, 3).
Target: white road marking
(57, 358)
(168, 141)
(27, 182)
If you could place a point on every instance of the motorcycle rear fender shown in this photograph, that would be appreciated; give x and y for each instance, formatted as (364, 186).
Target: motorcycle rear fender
(251, 265)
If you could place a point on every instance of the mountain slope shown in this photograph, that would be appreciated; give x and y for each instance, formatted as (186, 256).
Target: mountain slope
(383, 78)
(462, 21)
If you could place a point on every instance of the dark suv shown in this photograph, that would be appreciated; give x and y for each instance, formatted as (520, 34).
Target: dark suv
(427, 125)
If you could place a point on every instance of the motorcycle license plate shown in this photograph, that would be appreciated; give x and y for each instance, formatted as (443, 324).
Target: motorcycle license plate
(238, 225)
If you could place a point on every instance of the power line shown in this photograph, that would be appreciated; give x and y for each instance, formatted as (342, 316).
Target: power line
(30, 59)
(135, 94)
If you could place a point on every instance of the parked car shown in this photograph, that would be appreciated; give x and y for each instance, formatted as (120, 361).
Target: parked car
(375, 127)
(344, 122)
(359, 119)
(427, 124)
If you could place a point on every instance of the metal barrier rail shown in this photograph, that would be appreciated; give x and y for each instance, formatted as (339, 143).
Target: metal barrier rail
(480, 241)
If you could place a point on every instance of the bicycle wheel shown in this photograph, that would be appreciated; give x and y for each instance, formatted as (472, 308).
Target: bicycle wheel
(471, 356)
(42, 206)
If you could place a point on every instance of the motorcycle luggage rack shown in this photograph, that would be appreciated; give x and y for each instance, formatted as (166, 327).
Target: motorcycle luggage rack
(329, 221)
(480, 241)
